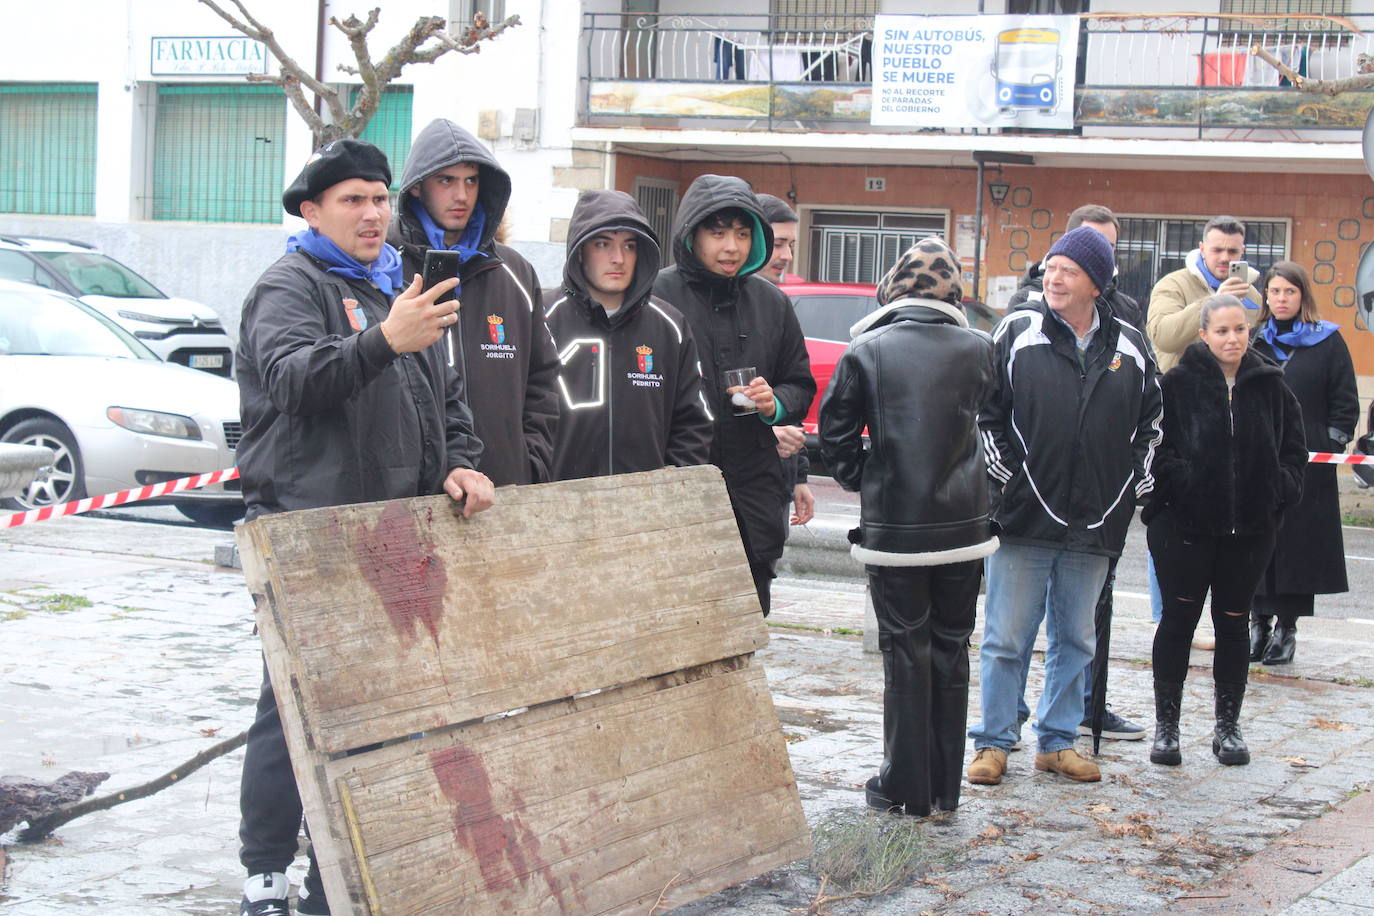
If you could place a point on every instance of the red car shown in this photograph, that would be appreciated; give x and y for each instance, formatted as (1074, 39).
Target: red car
(827, 310)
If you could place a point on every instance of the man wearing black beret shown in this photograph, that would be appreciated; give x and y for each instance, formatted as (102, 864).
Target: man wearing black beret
(345, 398)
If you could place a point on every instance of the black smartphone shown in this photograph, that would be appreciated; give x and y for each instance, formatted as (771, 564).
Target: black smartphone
(440, 266)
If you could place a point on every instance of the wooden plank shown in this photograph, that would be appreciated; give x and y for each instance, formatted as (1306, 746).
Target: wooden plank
(595, 810)
(505, 610)
(580, 658)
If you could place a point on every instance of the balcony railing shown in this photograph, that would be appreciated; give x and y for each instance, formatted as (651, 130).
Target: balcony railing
(815, 72)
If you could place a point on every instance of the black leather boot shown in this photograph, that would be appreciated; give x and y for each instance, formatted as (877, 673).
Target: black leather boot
(1282, 644)
(874, 797)
(1259, 635)
(1227, 743)
(1168, 701)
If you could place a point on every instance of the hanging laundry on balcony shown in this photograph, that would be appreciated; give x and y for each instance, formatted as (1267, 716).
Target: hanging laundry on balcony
(1223, 68)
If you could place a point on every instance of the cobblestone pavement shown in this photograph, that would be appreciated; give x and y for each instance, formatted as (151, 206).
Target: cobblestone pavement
(129, 652)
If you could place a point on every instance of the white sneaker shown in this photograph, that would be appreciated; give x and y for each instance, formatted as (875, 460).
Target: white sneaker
(265, 895)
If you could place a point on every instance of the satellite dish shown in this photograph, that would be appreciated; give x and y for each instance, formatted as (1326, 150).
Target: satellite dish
(1367, 143)
(1364, 283)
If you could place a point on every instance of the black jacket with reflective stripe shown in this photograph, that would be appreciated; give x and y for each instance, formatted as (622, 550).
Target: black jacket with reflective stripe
(1070, 439)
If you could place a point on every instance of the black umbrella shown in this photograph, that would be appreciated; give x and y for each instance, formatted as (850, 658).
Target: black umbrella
(1102, 623)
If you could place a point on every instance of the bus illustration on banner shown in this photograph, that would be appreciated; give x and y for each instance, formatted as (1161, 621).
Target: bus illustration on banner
(1026, 68)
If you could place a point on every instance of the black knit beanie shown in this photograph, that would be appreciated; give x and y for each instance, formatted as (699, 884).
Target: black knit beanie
(1090, 250)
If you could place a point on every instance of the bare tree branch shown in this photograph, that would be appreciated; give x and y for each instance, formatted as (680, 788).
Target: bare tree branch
(348, 117)
(478, 32)
(41, 827)
(1356, 83)
(1253, 18)
(259, 32)
(292, 89)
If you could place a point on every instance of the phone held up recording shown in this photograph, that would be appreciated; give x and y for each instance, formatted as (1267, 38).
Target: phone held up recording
(440, 266)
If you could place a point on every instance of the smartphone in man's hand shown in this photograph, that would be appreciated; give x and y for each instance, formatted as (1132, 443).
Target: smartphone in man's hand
(440, 266)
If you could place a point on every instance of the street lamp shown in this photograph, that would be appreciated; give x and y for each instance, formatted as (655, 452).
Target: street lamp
(998, 190)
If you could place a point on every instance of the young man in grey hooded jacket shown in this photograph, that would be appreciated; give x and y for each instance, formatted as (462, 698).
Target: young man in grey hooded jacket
(453, 197)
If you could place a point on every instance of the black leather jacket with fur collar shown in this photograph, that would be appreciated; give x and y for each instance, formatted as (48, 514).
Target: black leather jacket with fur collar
(915, 376)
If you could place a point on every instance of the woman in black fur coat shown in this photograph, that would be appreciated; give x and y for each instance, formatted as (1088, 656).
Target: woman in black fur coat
(1231, 459)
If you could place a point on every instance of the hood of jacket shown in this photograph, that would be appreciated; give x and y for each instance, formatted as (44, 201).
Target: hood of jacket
(910, 308)
(705, 196)
(600, 211)
(442, 144)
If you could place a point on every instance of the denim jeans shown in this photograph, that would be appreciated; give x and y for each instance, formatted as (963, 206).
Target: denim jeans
(1022, 710)
(1027, 585)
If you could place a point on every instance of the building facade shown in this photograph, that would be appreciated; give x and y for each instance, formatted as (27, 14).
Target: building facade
(145, 138)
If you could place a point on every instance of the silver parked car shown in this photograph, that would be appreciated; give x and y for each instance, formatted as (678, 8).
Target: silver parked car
(178, 330)
(116, 416)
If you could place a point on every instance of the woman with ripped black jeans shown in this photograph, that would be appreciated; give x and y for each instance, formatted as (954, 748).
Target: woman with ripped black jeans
(1231, 459)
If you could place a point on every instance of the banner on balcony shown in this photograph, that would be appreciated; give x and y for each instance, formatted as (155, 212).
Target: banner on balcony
(974, 71)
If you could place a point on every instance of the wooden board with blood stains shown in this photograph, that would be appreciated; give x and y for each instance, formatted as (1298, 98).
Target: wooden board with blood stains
(552, 707)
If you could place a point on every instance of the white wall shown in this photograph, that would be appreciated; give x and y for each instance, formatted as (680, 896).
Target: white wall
(532, 66)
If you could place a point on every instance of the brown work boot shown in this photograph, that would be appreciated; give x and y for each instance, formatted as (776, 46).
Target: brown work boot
(988, 766)
(1068, 763)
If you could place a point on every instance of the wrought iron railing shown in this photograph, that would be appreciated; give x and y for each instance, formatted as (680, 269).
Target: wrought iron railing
(1132, 71)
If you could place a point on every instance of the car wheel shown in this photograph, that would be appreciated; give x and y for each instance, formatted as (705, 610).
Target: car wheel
(213, 515)
(67, 479)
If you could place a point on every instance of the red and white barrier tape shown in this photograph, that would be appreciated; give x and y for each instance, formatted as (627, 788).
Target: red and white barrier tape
(15, 519)
(1338, 458)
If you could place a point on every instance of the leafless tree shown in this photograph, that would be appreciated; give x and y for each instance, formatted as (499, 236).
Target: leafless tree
(427, 41)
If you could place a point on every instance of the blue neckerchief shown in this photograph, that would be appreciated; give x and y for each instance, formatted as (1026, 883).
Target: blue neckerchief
(466, 246)
(385, 271)
(1303, 334)
(1195, 260)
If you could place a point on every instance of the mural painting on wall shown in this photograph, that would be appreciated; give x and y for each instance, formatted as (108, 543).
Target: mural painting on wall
(723, 100)
(1228, 108)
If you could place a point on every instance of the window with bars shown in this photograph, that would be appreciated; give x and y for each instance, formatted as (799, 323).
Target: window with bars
(217, 153)
(47, 148)
(390, 127)
(805, 15)
(861, 246)
(1150, 247)
(1263, 7)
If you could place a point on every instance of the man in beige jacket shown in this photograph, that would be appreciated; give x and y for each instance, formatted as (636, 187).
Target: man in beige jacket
(1175, 310)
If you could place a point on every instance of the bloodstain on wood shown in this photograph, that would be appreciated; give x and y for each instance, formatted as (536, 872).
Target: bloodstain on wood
(504, 847)
(400, 565)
